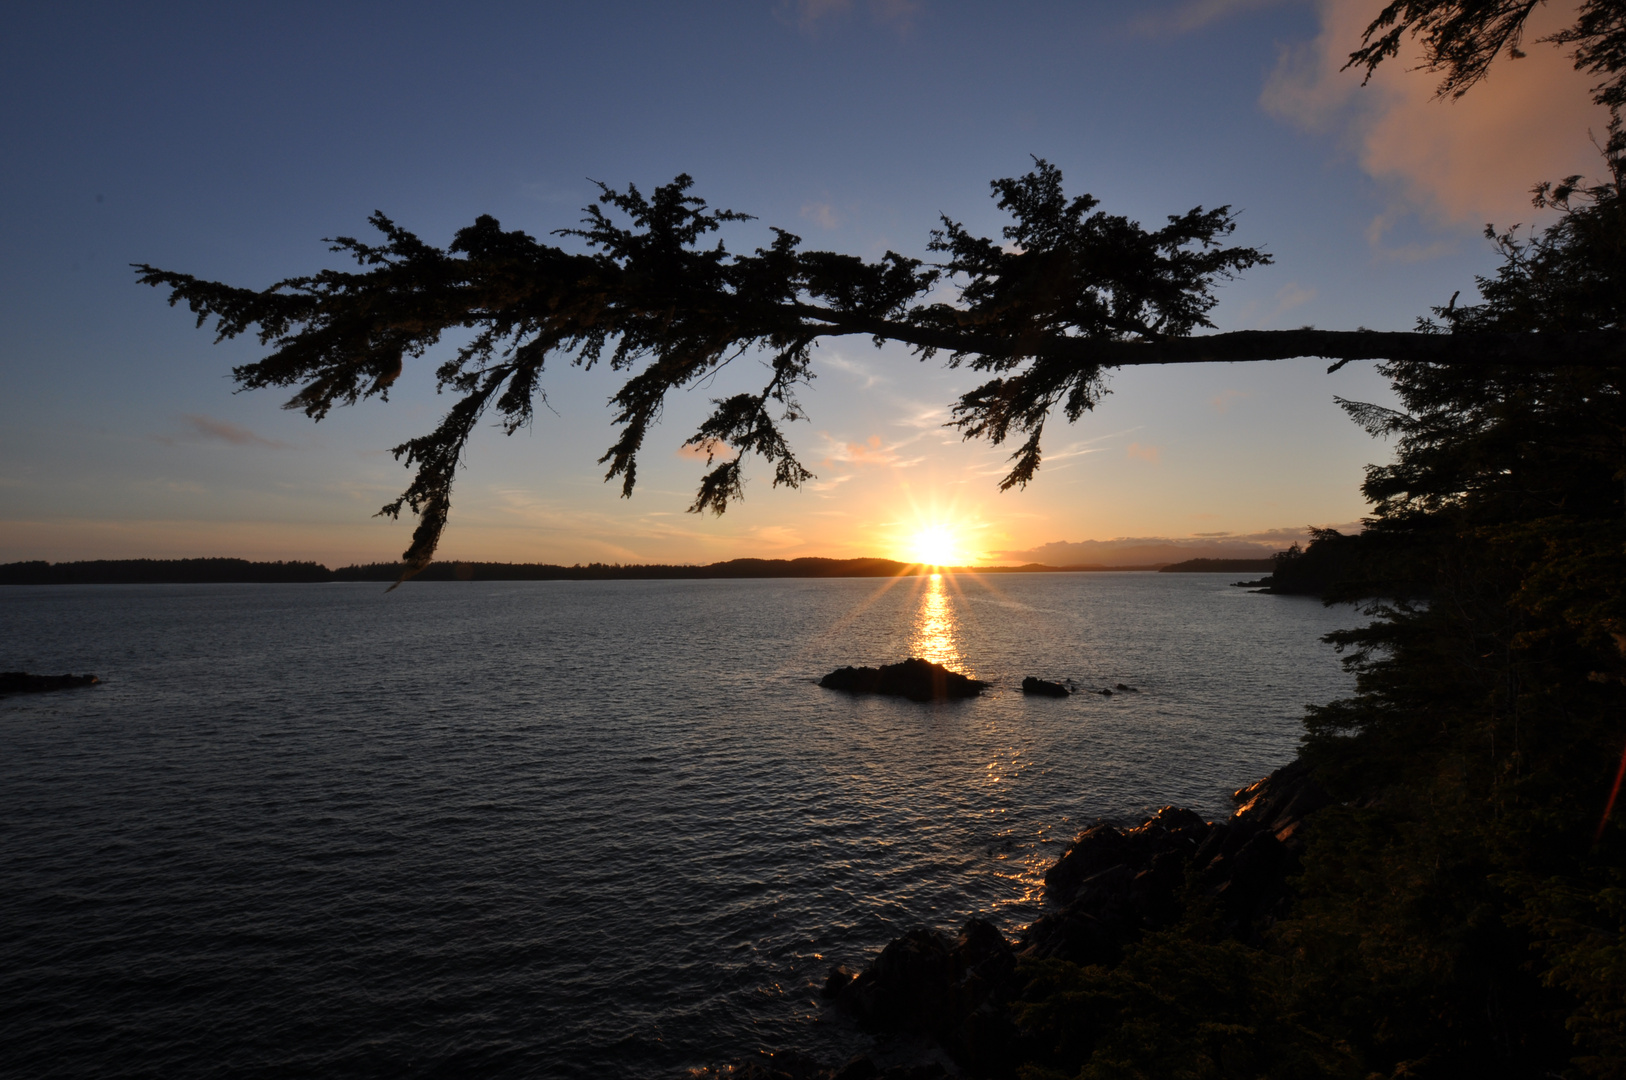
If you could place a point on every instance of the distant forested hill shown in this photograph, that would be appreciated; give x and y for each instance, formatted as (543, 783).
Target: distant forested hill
(228, 571)
(1221, 566)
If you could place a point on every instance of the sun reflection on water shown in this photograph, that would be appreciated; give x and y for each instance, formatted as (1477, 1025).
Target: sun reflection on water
(936, 636)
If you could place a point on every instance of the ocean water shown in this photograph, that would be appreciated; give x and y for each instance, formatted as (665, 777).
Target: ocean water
(570, 829)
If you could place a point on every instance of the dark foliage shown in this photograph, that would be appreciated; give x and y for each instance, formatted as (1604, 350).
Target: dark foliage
(1461, 908)
(1317, 569)
(1070, 293)
(1462, 38)
(1067, 270)
(1219, 566)
(1486, 730)
(649, 299)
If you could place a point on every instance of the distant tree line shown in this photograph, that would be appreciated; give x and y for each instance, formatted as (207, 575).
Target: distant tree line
(1221, 566)
(242, 571)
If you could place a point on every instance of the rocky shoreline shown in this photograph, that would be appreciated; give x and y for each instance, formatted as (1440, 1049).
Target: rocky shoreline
(952, 998)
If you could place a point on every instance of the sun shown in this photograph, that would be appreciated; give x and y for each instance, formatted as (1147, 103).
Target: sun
(936, 545)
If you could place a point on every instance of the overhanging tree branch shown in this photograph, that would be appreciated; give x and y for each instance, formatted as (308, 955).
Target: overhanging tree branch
(1238, 346)
(1067, 294)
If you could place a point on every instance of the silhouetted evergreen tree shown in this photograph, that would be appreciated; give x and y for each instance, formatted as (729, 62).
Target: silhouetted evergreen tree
(1487, 732)
(1068, 293)
(1314, 570)
(1462, 907)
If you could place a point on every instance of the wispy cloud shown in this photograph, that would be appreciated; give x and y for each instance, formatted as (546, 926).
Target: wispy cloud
(1056, 459)
(921, 415)
(855, 368)
(1288, 297)
(1073, 450)
(1223, 400)
(1412, 252)
(822, 214)
(1150, 454)
(208, 428)
(873, 451)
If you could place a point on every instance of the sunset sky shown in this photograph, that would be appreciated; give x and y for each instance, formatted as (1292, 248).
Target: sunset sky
(228, 140)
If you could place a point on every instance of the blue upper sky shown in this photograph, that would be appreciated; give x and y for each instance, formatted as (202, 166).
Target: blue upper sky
(228, 140)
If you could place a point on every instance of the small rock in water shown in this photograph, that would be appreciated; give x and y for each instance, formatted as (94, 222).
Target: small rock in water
(915, 679)
(1121, 688)
(1043, 687)
(20, 682)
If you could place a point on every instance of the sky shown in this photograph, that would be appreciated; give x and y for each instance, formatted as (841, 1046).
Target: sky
(227, 141)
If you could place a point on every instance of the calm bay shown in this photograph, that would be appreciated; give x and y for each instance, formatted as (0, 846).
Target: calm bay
(571, 828)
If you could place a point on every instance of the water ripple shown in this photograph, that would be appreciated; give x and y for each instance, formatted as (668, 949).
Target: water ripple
(567, 829)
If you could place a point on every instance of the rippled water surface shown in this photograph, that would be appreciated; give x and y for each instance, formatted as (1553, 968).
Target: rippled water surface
(563, 828)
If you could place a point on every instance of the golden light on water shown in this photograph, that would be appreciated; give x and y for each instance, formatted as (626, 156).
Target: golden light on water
(937, 626)
(943, 627)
